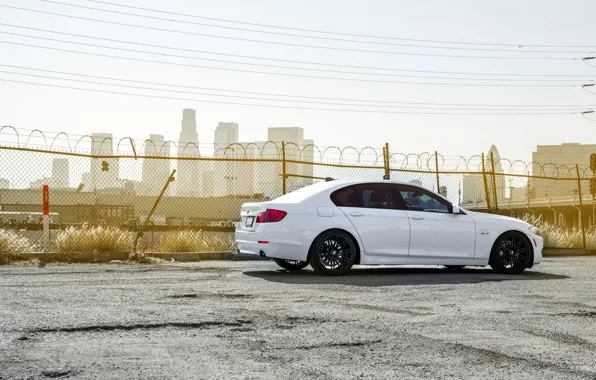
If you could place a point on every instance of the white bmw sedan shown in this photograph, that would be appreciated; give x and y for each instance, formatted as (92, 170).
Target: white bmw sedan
(334, 225)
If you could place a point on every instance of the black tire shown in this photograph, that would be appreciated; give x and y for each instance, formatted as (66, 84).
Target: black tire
(291, 265)
(511, 253)
(454, 267)
(333, 253)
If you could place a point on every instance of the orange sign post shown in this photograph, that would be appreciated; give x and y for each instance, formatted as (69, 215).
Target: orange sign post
(46, 217)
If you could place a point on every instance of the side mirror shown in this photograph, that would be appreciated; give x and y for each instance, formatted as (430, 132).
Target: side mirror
(455, 209)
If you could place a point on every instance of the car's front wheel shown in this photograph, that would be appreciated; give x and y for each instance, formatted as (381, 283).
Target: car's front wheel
(291, 265)
(333, 253)
(511, 253)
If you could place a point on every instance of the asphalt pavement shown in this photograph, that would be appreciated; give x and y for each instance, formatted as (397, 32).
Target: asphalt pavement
(251, 320)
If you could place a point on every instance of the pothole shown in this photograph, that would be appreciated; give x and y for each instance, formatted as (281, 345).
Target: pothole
(150, 326)
(56, 373)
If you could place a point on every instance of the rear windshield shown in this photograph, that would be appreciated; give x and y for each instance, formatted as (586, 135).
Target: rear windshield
(299, 195)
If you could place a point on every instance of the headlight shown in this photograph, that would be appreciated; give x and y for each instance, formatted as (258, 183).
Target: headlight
(533, 230)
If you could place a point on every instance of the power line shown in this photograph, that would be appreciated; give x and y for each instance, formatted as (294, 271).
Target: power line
(288, 74)
(285, 67)
(273, 59)
(297, 96)
(284, 100)
(286, 43)
(338, 33)
(288, 107)
(311, 37)
(278, 60)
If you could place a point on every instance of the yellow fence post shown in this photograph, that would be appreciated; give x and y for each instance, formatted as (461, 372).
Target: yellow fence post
(283, 168)
(387, 175)
(148, 219)
(495, 197)
(485, 185)
(437, 171)
(581, 204)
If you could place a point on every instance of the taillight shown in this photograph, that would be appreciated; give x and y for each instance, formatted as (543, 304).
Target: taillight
(271, 216)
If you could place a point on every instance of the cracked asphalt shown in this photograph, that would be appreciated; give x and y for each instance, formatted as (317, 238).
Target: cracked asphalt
(250, 320)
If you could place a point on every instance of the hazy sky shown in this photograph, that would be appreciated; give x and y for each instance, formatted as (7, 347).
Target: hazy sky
(505, 22)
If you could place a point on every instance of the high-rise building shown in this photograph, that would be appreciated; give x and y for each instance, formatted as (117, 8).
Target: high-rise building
(235, 177)
(225, 135)
(474, 190)
(190, 173)
(60, 174)
(155, 170)
(494, 158)
(558, 161)
(104, 171)
(59, 177)
(297, 148)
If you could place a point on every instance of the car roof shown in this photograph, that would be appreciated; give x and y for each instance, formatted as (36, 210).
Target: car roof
(346, 182)
(327, 187)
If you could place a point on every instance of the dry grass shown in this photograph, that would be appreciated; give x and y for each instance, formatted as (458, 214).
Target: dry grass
(73, 243)
(14, 247)
(560, 237)
(193, 241)
(100, 244)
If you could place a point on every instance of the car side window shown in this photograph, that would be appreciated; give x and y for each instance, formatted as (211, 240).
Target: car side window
(346, 197)
(373, 195)
(417, 199)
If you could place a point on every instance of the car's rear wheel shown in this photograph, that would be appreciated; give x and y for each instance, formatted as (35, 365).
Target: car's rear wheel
(511, 253)
(333, 253)
(291, 265)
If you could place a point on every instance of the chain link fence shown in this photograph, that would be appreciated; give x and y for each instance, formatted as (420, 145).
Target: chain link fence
(113, 188)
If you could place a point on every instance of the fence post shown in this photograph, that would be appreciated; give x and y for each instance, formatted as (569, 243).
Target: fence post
(437, 171)
(144, 226)
(485, 185)
(46, 218)
(581, 204)
(283, 168)
(495, 195)
(387, 175)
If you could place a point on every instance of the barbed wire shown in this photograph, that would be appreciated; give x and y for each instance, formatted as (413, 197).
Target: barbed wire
(430, 162)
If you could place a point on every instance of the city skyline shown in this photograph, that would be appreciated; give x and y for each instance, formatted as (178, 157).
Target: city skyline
(228, 133)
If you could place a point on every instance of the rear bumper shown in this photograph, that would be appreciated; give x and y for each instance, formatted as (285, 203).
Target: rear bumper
(275, 242)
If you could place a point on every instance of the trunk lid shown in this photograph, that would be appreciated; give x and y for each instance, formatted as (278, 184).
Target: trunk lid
(248, 215)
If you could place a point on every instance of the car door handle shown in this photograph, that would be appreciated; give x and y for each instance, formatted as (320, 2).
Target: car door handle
(417, 218)
(356, 213)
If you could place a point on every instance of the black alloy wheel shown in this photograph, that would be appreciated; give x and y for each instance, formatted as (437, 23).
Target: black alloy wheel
(511, 253)
(291, 265)
(333, 253)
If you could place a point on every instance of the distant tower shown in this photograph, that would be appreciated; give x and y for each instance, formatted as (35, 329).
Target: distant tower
(499, 179)
(190, 173)
(497, 158)
(60, 175)
(473, 191)
(237, 176)
(296, 148)
(188, 132)
(104, 171)
(155, 170)
(225, 134)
